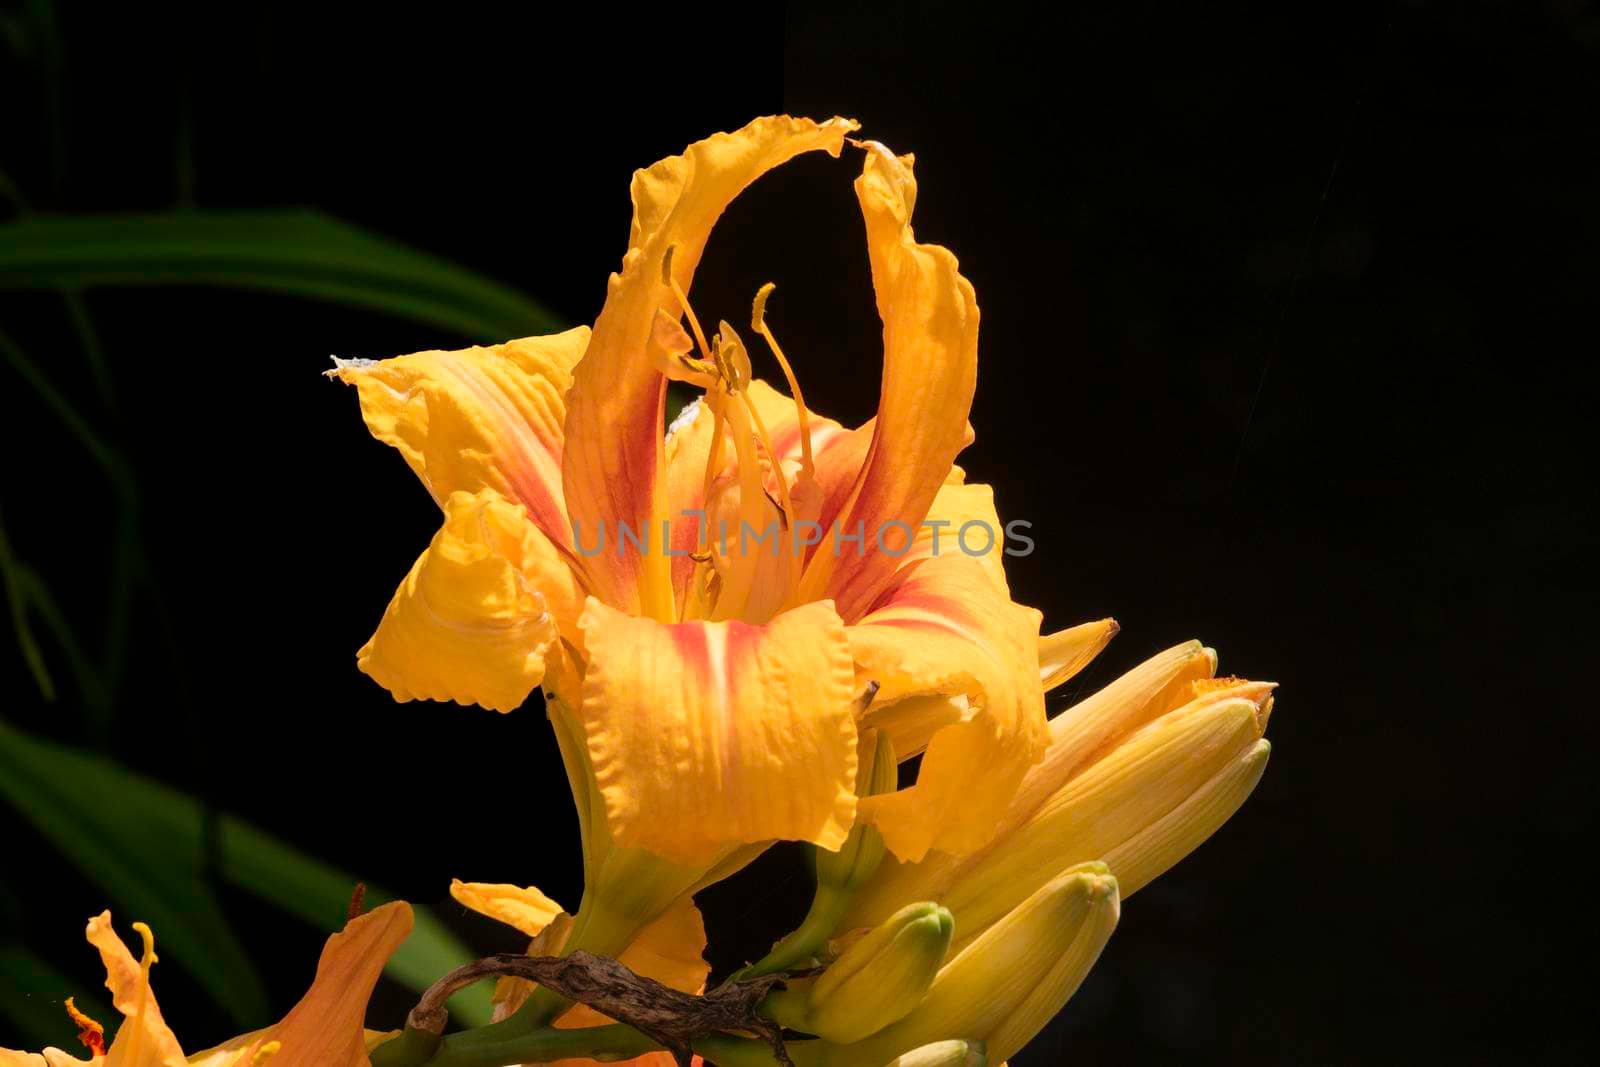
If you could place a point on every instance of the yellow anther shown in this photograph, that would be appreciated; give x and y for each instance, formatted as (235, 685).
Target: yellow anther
(732, 358)
(265, 1053)
(758, 323)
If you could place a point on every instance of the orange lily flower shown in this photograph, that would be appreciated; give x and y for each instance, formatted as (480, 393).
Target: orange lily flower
(709, 698)
(323, 1030)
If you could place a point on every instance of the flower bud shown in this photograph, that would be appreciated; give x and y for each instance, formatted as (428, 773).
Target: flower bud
(944, 1054)
(1012, 979)
(1142, 806)
(1078, 736)
(1148, 854)
(1120, 797)
(882, 977)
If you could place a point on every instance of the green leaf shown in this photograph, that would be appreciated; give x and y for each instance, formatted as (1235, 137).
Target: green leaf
(31, 997)
(300, 252)
(140, 842)
(143, 843)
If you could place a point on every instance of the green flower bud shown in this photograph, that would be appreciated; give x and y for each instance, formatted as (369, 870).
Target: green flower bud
(882, 977)
(1003, 987)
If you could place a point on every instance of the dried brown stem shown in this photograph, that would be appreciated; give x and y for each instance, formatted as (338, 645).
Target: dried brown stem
(668, 1016)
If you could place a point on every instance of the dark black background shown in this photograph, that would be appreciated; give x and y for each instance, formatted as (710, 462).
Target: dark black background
(1287, 344)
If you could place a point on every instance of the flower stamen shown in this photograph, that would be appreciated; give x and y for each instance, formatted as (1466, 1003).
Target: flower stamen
(758, 323)
(683, 301)
(90, 1032)
(147, 958)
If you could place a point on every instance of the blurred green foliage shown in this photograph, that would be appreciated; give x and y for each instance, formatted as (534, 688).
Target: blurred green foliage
(153, 850)
(158, 853)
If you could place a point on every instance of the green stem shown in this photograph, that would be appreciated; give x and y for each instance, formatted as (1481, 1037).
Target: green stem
(806, 941)
(727, 1051)
(486, 1048)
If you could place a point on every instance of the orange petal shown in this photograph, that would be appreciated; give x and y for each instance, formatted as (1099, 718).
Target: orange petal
(479, 614)
(612, 462)
(942, 628)
(529, 910)
(234, 1052)
(13, 1058)
(962, 521)
(143, 1039)
(325, 1029)
(705, 735)
(930, 366)
(478, 418)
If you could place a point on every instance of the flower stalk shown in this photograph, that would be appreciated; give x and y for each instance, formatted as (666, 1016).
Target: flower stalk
(839, 874)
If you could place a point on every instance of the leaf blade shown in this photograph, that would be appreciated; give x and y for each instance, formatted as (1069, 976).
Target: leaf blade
(140, 842)
(295, 252)
(246, 857)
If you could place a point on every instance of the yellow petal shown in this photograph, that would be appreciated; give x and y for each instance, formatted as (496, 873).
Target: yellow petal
(962, 521)
(12, 1058)
(614, 432)
(50, 1057)
(478, 418)
(529, 910)
(1066, 652)
(930, 365)
(144, 1039)
(703, 735)
(944, 628)
(325, 1028)
(912, 722)
(511, 993)
(480, 612)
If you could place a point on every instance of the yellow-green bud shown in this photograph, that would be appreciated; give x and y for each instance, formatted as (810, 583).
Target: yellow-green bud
(944, 1054)
(1140, 806)
(1007, 984)
(882, 977)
